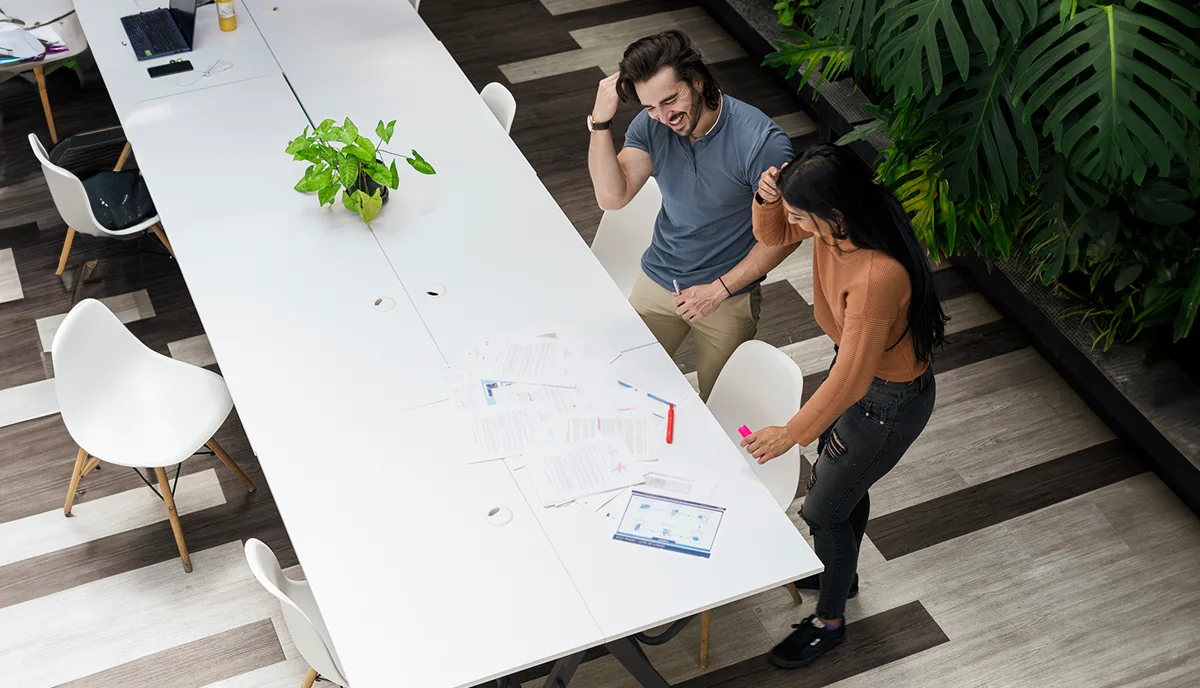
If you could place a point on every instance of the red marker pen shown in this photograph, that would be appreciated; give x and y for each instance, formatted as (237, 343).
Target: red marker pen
(670, 423)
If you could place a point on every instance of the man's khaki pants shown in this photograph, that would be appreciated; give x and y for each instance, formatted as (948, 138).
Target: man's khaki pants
(716, 336)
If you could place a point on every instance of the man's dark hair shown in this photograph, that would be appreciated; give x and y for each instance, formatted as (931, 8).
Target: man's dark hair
(646, 56)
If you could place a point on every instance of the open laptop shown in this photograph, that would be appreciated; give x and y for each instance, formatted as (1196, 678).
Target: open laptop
(162, 31)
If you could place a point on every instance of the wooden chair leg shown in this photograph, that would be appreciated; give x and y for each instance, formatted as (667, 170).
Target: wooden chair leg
(80, 458)
(87, 468)
(309, 678)
(162, 237)
(62, 259)
(791, 587)
(39, 73)
(225, 459)
(164, 486)
(124, 154)
(85, 274)
(705, 622)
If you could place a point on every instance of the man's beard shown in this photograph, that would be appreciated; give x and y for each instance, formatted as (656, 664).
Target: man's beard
(693, 114)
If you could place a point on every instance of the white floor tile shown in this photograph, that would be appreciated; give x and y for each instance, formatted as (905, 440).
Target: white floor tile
(557, 7)
(106, 623)
(287, 674)
(127, 307)
(26, 402)
(94, 519)
(195, 350)
(795, 124)
(602, 46)
(10, 281)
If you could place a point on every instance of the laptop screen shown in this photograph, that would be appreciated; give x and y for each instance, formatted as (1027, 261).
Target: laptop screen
(184, 12)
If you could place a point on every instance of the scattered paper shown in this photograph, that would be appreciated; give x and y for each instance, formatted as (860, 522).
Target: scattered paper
(597, 501)
(502, 434)
(680, 485)
(640, 399)
(579, 470)
(533, 360)
(633, 431)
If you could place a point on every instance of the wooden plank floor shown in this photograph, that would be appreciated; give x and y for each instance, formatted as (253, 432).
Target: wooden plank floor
(1018, 544)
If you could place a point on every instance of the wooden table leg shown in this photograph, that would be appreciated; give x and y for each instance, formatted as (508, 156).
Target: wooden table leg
(164, 486)
(40, 74)
(124, 154)
(80, 458)
(228, 461)
(62, 259)
(309, 678)
(791, 587)
(162, 237)
(705, 622)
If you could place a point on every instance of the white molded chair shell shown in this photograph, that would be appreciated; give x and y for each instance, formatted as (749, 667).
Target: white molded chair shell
(761, 386)
(300, 611)
(125, 403)
(624, 235)
(501, 102)
(72, 202)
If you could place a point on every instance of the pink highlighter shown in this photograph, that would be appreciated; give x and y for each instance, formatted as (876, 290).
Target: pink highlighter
(744, 431)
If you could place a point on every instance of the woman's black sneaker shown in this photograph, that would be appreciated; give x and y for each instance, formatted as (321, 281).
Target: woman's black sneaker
(813, 582)
(807, 643)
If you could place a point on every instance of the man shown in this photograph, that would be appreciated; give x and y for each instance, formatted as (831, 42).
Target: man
(707, 151)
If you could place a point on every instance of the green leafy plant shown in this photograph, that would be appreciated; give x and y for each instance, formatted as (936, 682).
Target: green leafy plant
(342, 158)
(1065, 131)
(790, 10)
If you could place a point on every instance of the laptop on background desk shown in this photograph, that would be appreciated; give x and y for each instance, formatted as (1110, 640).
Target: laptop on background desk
(164, 31)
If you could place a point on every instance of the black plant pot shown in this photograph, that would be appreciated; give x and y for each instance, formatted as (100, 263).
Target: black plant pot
(370, 185)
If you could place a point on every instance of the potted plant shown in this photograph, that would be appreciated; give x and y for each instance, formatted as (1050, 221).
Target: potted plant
(344, 159)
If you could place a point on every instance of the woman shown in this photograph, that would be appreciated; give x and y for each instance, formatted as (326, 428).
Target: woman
(873, 295)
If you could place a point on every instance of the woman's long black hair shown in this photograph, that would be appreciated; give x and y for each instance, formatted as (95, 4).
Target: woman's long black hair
(832, 183)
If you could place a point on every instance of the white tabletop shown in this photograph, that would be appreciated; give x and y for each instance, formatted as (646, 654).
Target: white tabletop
(757, 546)
(416, 586)
(484, 227)
(286, 290)
(354, 32)
(126, 78)
(343, 401)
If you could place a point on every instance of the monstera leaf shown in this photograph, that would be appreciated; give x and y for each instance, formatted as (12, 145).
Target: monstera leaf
(1119, 85)
(810, 54)
(844, 19)
(984, 126)
(911, 33)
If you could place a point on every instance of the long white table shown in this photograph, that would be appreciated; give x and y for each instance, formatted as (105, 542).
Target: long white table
(125, 77)
(343, 400)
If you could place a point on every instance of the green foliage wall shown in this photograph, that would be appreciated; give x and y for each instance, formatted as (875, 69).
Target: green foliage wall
(1067, 131)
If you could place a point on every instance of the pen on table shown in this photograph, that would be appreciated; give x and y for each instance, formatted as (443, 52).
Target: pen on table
(670, 423)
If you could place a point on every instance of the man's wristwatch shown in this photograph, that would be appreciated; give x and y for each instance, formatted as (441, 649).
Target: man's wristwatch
(597, 126)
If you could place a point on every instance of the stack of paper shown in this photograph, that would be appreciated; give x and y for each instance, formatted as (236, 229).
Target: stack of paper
(578, 470)
(548, 406)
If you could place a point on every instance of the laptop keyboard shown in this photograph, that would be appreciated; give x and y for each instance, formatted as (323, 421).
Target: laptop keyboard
(156, 29)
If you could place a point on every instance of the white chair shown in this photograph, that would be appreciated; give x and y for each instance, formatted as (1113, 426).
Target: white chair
(501, 102)
(73, 205)
(300, 613)
(759, 386)
(31, 14)
(624, 235)
(133, 407)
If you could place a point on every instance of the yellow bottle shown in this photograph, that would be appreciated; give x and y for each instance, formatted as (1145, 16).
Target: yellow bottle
(225, 15)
